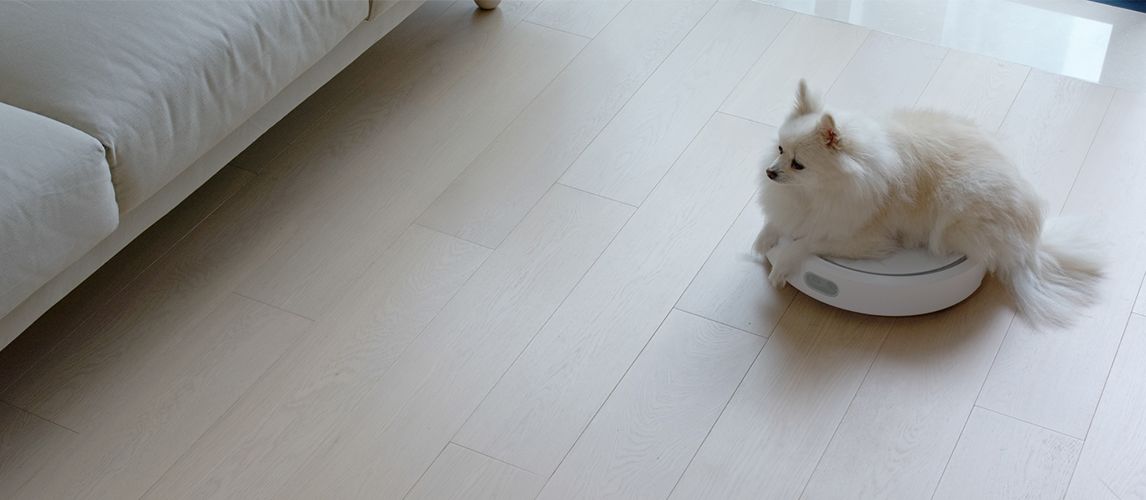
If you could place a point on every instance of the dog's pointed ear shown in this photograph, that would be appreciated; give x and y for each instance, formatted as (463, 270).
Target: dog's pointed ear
(829, 132)
(806, 101)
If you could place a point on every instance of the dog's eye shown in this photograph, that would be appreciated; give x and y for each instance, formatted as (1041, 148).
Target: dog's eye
(797, 165)
(781, 149)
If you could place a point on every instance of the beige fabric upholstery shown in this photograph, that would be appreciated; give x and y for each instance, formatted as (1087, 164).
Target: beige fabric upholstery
(56, 201)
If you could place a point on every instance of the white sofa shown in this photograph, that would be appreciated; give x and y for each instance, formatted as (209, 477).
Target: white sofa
(112, 112)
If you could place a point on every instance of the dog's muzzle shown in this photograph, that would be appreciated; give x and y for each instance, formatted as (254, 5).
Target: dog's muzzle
(772, 174)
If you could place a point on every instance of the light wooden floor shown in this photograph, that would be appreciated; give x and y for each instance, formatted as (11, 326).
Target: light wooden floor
(503, 256)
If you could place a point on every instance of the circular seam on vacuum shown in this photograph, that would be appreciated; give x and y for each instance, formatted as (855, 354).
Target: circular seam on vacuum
(950, 265)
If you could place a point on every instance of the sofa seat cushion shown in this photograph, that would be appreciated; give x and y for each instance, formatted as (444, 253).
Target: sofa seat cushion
(56, 201)
(160, 83)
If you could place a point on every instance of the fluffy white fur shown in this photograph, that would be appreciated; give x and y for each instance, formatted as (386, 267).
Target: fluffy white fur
(854, 187)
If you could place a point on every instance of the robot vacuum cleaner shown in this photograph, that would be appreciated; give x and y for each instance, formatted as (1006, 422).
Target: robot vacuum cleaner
(906, 283)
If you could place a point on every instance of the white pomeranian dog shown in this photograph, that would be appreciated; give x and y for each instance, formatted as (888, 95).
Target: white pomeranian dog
(854, 187)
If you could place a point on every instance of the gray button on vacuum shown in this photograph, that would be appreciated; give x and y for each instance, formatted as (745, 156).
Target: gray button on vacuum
(821, 284)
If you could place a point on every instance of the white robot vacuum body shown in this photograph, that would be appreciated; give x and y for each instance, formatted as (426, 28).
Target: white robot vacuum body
(907, 283)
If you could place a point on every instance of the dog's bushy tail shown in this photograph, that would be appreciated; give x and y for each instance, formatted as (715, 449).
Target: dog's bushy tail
(1061, 277)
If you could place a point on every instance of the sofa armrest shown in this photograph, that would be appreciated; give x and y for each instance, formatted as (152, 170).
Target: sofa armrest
(56, 201)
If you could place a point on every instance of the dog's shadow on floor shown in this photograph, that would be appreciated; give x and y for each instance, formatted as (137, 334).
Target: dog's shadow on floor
(826, 348)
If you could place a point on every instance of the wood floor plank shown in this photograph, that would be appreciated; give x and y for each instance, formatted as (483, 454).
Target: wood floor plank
(108, 357)
(1054, 377)
(414, 64)
(139, 428)
(812, 48)
(906, 418)
(1050, 128)
(63, 319)
(975, 86)
(296, 408)
(887, 72)
(766, 443)
(580, 17)
(1113, 462)
(731, 287)
(1140, 304)
(461, 474)
(494, 192)
(393, 436)
(535, 413)
(642, 439)
(639, 145)
(1000, 457)
(354, 193)
(151, 370)
(27, 444)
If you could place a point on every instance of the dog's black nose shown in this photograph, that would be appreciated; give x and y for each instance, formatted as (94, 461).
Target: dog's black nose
(772, 174)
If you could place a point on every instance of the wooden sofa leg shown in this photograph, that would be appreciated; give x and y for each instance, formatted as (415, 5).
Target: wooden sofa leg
(487, 4)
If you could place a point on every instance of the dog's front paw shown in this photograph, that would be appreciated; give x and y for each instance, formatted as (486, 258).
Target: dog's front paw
(786, 259)
(766, 240)
(778, 276)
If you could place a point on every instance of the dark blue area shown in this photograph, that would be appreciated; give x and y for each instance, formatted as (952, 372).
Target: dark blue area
(1138, 5)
